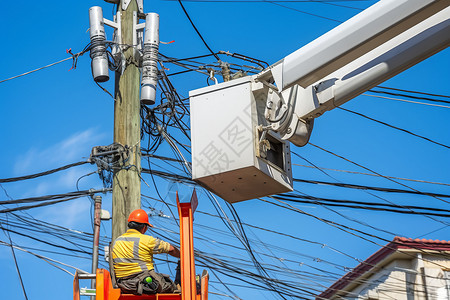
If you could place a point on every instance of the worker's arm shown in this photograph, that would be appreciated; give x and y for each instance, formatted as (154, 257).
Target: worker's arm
(174, 251)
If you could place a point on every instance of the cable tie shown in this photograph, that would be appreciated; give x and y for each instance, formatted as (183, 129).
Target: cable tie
(74, 58)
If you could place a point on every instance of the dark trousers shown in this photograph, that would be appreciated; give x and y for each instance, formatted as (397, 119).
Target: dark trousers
(136, 284)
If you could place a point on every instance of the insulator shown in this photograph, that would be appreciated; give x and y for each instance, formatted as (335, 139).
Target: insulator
(150, 59)
(99, 64)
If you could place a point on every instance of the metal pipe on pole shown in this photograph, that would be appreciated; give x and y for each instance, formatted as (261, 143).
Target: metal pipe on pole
(126, 181)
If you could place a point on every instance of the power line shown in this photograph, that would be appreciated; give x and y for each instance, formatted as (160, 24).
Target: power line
(375, 175)
(303, 12)
(272, 246)
(412, 96)
(407, 101)
(12, 179)
(47, 66)
(361, 166)
(394, 127)
(58, 198)
(364, 205)
(414, 92)
(196, 30)
(373, 188)
(185, 179)
(75, 194)
(339, 226)
(15, 261)
(46, 259)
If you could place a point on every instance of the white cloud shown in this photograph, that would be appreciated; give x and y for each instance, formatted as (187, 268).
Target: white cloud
(74, 148)
(64, 182)
(70, 214)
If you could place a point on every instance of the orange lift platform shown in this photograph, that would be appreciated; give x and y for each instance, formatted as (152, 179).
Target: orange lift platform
(106, 289)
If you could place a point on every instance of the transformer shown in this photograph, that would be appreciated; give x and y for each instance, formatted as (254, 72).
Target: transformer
(233, 153)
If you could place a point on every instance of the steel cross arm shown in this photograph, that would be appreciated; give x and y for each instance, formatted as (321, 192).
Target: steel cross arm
(350, 40)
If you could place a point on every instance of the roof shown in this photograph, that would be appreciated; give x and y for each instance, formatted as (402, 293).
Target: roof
(399, 243)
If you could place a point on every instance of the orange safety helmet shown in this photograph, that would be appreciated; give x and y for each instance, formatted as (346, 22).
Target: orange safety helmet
(139, 216)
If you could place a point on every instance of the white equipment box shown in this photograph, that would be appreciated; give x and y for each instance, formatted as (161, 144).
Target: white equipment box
(228, 157)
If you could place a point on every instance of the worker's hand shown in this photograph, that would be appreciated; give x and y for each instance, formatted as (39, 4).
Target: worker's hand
(174, 251)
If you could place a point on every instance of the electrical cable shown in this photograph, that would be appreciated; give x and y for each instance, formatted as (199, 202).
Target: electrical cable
(413, 97)
(303, 12)
(271, 246)
(394, 127)
(363, 223)
(35, 70)
(75, 194)
(25, 207)
(105, 90)
(196, 30)
(365, 206)
(367, 169)
(407, 101)
(15, 261)
(375, 175)
(156, 188)
(373, 188)
(47, 259)
(4, 180)
(344, 227)
(414, 92)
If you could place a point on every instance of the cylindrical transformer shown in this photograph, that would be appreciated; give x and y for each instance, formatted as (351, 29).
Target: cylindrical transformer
(150, 59)
(99, 64)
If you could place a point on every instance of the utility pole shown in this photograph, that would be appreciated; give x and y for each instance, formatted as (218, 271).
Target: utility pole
(97, 222)
(126, 182)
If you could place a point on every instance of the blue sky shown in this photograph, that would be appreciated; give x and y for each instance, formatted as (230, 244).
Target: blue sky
(54, 117)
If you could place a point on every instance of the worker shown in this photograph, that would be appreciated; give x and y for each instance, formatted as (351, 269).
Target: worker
(133, 259)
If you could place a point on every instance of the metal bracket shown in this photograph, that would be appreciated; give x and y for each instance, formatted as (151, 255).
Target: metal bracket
(117, 36)
(140, 4)
(138, 37)
(138, 30)
(125, 4)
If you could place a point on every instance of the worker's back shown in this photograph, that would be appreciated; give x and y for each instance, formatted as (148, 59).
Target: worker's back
(133, 252)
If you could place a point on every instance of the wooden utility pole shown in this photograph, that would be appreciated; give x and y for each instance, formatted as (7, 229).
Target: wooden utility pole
(126, 182)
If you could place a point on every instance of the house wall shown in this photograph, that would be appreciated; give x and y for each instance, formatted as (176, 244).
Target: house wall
(437, 278)
(389, 283)
(403, 280)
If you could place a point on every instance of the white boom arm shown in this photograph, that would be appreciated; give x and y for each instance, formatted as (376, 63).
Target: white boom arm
(375, 45)
(353, 38)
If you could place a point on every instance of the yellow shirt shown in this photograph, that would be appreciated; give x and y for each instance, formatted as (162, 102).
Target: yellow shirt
(133, 252)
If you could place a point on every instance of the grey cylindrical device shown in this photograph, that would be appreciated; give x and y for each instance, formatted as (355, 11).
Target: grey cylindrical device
(99, 64)
(149, 63)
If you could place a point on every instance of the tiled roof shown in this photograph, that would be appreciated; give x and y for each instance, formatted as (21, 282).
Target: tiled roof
(405, 243)
(398, 243)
